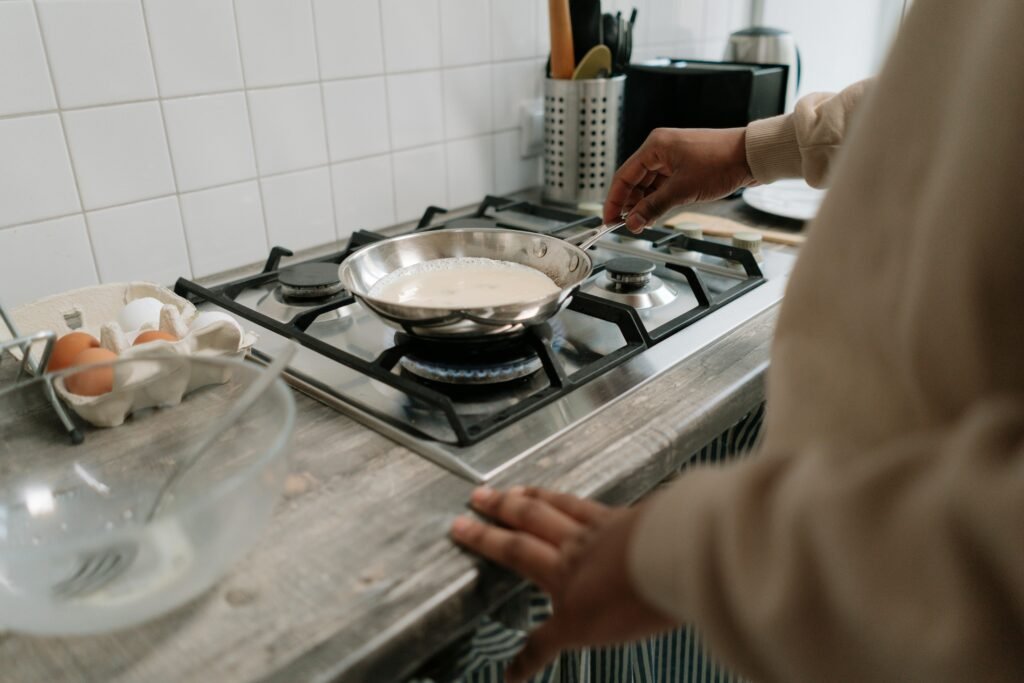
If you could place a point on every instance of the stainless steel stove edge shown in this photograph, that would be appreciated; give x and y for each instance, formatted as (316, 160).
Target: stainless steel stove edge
(483, 461)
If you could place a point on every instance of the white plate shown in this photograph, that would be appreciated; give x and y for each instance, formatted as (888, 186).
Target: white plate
(786, 198)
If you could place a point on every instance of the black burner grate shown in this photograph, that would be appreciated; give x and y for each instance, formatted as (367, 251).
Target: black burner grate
(472, 430)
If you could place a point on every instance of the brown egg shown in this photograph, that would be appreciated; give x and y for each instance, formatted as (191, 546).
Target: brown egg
(154, 335)
(67, 348)
(94, 381)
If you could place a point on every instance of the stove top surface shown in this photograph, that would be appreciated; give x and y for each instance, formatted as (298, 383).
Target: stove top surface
(476, 408)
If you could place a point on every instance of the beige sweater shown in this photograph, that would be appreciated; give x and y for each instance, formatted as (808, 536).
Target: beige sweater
(879, 533)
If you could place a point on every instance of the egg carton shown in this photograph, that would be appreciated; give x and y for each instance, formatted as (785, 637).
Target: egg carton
(136, 386)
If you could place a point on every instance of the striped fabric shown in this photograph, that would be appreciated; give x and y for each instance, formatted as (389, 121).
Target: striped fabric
(676, 657)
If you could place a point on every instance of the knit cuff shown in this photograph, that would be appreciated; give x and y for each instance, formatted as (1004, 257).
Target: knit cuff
(772, 149)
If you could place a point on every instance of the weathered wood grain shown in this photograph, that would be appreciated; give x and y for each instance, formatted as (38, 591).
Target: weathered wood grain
(355, 578)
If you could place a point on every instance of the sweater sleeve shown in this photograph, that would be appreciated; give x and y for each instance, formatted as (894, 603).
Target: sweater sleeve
(803, 144)
(903, 563)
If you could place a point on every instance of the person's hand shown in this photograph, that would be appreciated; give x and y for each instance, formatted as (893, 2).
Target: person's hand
(576, 551)
(677, 166)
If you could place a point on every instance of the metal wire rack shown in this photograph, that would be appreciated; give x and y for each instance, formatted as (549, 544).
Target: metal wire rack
(28, 368)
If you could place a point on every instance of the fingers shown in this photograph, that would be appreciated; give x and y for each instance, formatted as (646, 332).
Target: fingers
(529, 514)
(582, 510)
(524, 554)
(629, 175)
(542, 646)
(649, 208)
(638, 171)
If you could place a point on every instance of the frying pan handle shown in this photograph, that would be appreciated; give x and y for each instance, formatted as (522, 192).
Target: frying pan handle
(588, 238)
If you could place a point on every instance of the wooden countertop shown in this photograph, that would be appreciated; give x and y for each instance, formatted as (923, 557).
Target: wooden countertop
(355, 578)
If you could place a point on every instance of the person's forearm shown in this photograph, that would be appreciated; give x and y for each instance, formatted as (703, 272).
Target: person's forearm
(831, 566)
(803, 144)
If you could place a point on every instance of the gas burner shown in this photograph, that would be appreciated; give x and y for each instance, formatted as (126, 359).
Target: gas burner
(468, 374)
(309, 281)
(301, 287)
(475, 363)
(276, 305)
(466, 406)
(631, 281)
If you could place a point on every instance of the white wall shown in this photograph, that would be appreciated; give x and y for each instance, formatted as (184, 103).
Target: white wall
(840, 41)
(147, 139)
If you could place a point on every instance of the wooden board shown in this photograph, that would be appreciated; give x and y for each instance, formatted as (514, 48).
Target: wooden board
(720, 226)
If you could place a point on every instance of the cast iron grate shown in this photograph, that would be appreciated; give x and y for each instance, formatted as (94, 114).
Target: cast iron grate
(468, 431)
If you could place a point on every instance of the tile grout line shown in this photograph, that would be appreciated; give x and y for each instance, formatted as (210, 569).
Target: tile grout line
(167, 141)
(387, 113)
(67, 146)
(231, 91)
(323, 113)
(494, 109)
(493, 136)
(252, 133)
(444, 108)
(179, 194)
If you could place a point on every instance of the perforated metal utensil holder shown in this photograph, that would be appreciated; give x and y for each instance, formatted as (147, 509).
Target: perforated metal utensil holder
(582, 138)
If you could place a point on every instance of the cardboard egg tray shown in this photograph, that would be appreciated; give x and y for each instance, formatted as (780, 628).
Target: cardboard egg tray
(143, 385)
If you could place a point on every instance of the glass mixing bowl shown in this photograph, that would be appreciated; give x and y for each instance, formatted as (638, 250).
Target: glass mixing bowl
(77, 552)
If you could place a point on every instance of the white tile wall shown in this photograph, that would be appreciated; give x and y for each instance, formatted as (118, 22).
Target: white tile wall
(416, 109)
(98, 51)
(210, 140)
(195, 49)
(357, 118)
(62, 258)
(35, 175)
(299, 208)
(467, 98)
(349, 38)
(288, 127)
(412, 34)
(512, 83)
(470, 170)
(143, 241)
(119, 153)
(24, 81)
(364, 195)
(224, 226)
(420, 180)
(514, 30)
(512, 172)
(465, 32)
(193, 134)
(276, 37)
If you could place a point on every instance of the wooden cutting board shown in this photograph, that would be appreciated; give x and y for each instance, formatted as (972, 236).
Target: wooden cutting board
(725, 227)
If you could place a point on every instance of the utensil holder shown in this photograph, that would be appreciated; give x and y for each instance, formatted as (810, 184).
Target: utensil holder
(582, 138)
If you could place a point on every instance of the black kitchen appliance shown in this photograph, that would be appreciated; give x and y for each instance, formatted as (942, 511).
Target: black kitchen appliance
(678, 93)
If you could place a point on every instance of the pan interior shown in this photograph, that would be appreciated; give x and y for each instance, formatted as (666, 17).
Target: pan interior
(462, 282)
(563, 263)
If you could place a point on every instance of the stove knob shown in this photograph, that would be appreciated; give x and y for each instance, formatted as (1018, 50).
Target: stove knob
(750, 241)
(691, 230)
(630, 271)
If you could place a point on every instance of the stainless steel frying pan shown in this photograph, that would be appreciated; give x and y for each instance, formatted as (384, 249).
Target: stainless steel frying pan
(566, 262)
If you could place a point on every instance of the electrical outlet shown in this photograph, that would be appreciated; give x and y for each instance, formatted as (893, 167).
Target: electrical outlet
(531, 128)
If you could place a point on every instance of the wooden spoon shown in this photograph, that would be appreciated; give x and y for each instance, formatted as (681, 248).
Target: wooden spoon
(597, 63)
(560, 23)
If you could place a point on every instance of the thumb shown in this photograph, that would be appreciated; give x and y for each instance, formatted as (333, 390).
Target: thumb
(651, 207)
(542, 646)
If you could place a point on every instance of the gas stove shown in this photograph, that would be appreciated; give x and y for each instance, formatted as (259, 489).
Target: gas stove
(477, 407)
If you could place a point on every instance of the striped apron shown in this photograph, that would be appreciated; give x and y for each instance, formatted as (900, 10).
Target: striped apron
(677, 657)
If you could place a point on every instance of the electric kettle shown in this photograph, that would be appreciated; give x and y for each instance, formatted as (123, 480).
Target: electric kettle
(761, 45)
